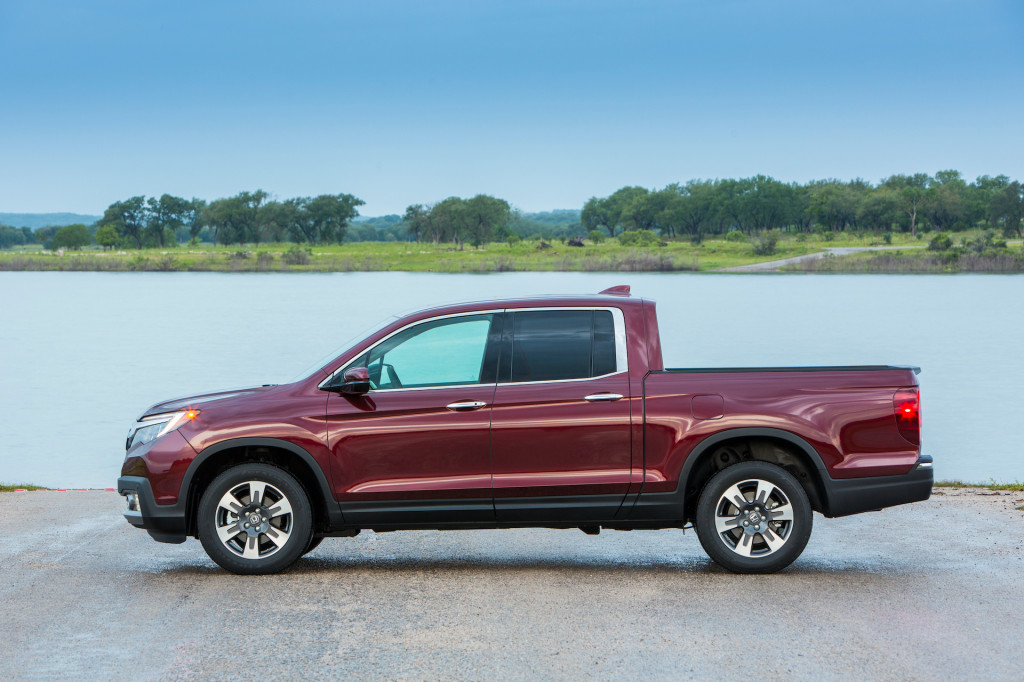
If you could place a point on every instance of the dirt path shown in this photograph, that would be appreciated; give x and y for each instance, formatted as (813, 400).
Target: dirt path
(774, 265)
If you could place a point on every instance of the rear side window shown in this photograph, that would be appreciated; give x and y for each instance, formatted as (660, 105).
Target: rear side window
(552, 345)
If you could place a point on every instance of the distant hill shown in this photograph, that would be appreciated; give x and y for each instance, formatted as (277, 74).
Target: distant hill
(37, 220)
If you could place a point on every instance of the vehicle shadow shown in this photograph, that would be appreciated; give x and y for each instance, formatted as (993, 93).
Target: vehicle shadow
(696, 565)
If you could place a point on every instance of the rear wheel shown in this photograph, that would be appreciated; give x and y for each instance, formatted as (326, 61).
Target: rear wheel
(314, 542)
(753, 517)
(255, 519)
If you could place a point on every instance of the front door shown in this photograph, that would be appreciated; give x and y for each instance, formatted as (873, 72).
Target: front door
(560, 425)
(416, 447)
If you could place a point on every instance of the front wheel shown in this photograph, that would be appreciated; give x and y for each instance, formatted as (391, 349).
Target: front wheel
(255, 519)
(753, 517)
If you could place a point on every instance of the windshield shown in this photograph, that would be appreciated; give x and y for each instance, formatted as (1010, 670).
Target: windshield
(361, 336)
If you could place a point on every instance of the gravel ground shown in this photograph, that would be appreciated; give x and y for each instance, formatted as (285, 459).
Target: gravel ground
(927, 591)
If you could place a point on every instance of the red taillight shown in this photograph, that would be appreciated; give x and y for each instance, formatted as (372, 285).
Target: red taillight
(907, 406)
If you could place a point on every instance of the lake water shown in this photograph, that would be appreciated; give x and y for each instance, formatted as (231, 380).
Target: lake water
(82, 354)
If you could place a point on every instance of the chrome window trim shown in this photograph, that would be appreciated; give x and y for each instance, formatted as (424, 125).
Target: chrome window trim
(621, 354)
(618, 321)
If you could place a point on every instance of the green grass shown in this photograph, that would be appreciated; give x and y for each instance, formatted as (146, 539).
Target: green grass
(991, 485)
(527, 255)
(5, 488)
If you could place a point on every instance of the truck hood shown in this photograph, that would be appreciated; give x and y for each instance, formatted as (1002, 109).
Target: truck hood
(201, 399)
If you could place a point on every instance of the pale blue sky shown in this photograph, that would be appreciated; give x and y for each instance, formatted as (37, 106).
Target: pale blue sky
(544, 103)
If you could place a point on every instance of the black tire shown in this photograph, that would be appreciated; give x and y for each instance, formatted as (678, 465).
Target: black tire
(277, 505)
(314, 542)
(765, 532)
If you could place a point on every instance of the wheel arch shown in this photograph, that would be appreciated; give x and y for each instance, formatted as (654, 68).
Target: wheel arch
(755, 444)
(293, 458)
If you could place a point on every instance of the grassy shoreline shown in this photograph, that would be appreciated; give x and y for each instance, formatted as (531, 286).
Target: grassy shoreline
(524, 256)
(527, 256)
(10, 488)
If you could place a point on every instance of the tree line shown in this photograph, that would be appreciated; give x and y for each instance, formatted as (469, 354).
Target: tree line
(247, 217)
(899, 203)
(697, 209)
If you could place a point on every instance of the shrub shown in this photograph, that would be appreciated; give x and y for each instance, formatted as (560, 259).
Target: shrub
(735, 236)
(638, 238)
(765, 244)
(887, 237)
(138, 262)
(596, 236)
(513, 239)
(940, 242)
(264, 260)
(297, 255)
(166, 263)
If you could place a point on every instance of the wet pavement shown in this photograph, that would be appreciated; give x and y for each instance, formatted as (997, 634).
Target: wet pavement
(928, 591)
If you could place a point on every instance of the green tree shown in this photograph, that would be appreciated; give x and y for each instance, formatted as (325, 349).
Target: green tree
(832, 204)
(235, 220)
(192, 217)
(417, 221)
(482, 216)
(695, 208)
(166, 214)
(276, 219)
(598, 215)
(107, 236)
(128, 217)
(1007, 208)
(10, 236)
(72, 237)
(880, 209)
(330, 214)
(913, 192)
(946, 203)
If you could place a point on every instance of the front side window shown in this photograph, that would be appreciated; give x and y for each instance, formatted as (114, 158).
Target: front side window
(552, 345)
(445, 352)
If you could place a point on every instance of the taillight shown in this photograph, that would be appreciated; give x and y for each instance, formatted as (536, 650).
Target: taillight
(907, 406)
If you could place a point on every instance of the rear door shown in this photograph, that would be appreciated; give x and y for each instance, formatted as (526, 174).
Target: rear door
(560, 422)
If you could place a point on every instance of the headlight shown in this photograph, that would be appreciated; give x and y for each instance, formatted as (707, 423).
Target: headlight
(150, 428)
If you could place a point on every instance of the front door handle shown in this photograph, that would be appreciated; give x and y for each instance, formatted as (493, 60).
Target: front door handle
(466, 405)
(603, 397)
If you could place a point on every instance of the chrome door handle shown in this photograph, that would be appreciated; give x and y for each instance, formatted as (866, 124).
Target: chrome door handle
(603, 397)
(466, 405)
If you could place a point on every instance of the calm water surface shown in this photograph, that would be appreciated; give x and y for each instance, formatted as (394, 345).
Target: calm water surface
(82, 354)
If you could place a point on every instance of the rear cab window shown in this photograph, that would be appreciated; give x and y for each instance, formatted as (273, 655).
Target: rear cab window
(559, 345)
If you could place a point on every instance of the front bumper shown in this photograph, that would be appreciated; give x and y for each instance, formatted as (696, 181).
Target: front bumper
(165, 523)
(854, 495)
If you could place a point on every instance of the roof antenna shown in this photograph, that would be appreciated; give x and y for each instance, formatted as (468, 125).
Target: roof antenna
(620, 290)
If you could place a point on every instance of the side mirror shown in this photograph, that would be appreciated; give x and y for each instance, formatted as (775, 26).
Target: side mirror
(355, 381)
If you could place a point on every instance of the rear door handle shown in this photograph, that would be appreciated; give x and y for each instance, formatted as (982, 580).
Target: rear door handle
(603, 397)
(466, 405)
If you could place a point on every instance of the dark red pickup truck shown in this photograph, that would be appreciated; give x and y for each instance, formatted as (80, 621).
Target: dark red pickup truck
(541, 412)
